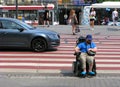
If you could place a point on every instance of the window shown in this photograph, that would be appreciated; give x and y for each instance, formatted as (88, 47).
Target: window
(10, 25)
(1, 25)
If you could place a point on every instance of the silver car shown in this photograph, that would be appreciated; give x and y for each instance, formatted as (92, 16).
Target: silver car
(15, 33)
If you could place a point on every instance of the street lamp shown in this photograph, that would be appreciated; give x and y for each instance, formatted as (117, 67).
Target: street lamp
(16, 9)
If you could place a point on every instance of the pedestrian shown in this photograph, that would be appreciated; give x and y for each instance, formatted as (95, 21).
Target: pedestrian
(73, 20)
(84, 48)
(41, 20)
(115, 16)
(33, 19)
(92, 18)
(46, 18)
(65, 18)
(105, 21)
(23, 19)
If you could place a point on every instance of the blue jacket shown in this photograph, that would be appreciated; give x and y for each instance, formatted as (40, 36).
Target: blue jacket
(84, 46)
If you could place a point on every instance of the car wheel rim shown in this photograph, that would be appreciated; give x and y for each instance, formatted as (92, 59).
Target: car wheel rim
(39, 45)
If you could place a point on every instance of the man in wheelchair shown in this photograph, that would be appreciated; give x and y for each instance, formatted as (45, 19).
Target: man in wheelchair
(87, 50)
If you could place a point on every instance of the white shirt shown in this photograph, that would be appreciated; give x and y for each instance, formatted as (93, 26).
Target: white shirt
(114, 14)
(93, 13)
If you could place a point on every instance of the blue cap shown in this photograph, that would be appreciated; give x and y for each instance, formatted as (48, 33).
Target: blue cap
(89, 37)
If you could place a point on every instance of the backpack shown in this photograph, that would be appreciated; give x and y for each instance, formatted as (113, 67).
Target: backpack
(80, 40)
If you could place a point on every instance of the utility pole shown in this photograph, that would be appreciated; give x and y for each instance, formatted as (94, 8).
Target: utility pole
(16, 9)
(57, 14)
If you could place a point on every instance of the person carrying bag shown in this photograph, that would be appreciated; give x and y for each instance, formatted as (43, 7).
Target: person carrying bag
(73, 21)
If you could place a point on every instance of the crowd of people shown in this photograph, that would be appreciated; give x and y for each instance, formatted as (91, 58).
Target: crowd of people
(105, 20)
(73, 19)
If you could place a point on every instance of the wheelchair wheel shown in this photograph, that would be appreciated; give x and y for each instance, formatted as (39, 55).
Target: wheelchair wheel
(75, 68)
(94, 67)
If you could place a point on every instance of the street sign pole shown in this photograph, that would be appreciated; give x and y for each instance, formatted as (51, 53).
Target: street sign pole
(16, 9)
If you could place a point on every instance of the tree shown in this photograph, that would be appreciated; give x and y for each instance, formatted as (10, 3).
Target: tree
(106, 0)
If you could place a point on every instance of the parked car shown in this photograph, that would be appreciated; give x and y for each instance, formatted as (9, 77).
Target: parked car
(15, 33)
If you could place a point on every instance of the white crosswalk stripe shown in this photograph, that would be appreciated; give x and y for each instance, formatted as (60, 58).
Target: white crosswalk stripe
(58, 59)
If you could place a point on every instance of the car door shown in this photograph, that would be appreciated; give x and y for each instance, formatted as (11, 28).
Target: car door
(11, 35)
(2, 32)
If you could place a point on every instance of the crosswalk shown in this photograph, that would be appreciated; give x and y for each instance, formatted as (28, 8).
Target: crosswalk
(60, 60)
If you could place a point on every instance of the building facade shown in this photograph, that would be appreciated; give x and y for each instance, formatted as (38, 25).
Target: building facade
(60, 11)
(45, 1)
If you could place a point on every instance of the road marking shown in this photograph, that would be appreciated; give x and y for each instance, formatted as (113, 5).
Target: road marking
(54, 64)
(55, 60)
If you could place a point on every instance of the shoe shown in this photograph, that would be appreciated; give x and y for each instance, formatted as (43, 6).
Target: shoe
(92, 73)
(83, 73)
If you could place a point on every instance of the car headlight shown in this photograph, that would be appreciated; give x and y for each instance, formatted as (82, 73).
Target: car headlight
(53, 36)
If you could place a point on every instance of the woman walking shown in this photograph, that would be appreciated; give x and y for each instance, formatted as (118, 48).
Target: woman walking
(73, 20)
(92, 18)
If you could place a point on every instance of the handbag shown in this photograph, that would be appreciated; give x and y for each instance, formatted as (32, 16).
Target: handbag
(75, 22)
(92, 18)
(116, 18)
(91, 53)
(77, 29)
(69, 21)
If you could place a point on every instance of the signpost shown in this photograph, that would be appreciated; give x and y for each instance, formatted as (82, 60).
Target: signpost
(16, 9)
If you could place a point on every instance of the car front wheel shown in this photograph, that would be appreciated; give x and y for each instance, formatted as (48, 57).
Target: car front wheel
(39, 45)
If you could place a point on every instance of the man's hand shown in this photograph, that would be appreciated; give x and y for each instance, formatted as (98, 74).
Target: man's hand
(93, 49)
(89, 49)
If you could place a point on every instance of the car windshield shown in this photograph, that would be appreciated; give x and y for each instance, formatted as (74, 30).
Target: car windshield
(25, 24)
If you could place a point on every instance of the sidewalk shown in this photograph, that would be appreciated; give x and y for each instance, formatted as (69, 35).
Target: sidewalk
(57, 81)
(98, 30)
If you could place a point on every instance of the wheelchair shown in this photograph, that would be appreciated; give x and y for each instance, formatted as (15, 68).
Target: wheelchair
(77, 64)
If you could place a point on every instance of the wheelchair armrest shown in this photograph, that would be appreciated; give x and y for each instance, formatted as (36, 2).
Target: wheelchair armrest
(77, 53)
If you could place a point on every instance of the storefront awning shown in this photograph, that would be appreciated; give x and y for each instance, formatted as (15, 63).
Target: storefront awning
(107, 4)
(26, 7)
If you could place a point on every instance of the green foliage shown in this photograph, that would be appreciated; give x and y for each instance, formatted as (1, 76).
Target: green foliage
(106, 0)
